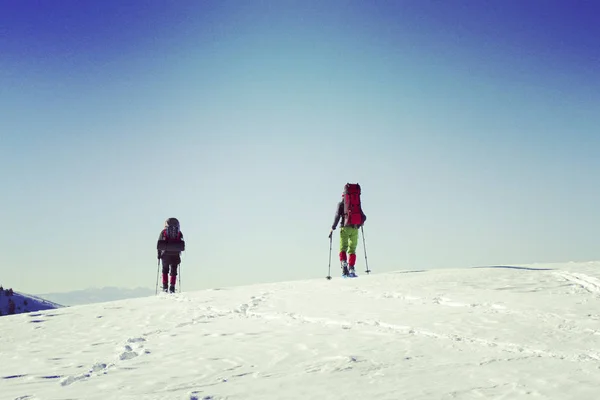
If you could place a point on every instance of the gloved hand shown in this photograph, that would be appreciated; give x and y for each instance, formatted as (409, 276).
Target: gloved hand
(158, 255)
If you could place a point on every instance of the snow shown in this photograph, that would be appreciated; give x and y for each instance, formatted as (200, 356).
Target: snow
(496, 332)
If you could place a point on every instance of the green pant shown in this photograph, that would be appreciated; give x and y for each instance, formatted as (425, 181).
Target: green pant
(348, 239)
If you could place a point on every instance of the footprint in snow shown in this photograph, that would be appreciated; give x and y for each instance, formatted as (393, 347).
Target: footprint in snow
(198, 396)
(128, 354)
(98, 368)
(133, 349)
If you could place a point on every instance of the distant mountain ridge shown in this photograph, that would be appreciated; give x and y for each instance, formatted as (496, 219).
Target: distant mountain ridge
(97, 295)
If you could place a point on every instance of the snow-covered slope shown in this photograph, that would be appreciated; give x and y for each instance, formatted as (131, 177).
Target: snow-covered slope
(24, 303)
(497, 332)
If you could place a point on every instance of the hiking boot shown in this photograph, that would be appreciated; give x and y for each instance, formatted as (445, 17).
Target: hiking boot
(352, 273)
(344, 268)
(172, 289)
(165, 287)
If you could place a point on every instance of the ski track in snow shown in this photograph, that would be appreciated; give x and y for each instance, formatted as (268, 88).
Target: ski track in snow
(586, 282)
(441, 300)
(249, 310)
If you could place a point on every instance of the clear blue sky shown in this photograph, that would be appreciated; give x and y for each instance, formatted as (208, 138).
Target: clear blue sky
(471, 126)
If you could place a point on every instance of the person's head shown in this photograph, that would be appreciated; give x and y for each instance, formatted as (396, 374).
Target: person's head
(172, 222)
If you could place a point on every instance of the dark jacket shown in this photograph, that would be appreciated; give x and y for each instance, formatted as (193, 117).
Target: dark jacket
(340, 215)
(167, 253)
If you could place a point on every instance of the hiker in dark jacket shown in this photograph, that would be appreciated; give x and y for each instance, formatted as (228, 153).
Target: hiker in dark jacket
(348, 239)
(170, 259)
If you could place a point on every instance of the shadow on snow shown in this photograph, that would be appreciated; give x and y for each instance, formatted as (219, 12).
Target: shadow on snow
(516, 267)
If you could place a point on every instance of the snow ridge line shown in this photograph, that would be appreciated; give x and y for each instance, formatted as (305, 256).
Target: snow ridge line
(587, 282)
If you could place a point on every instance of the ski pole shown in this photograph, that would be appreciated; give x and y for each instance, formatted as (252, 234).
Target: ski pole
(179, 278)
(157, 273)
(329, 270)
(365, 249)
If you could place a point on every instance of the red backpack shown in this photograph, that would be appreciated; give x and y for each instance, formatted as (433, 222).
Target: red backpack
(352, 209)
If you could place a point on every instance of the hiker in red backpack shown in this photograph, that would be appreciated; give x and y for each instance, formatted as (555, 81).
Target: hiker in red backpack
(351, 217)
(170, 258)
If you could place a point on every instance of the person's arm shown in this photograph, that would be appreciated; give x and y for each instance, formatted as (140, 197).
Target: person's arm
(336, 219)
(160, 237)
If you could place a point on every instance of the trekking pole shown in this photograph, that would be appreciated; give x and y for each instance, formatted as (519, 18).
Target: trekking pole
(329, 270)
(157, 269)
(365, 249)
(179, 278)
